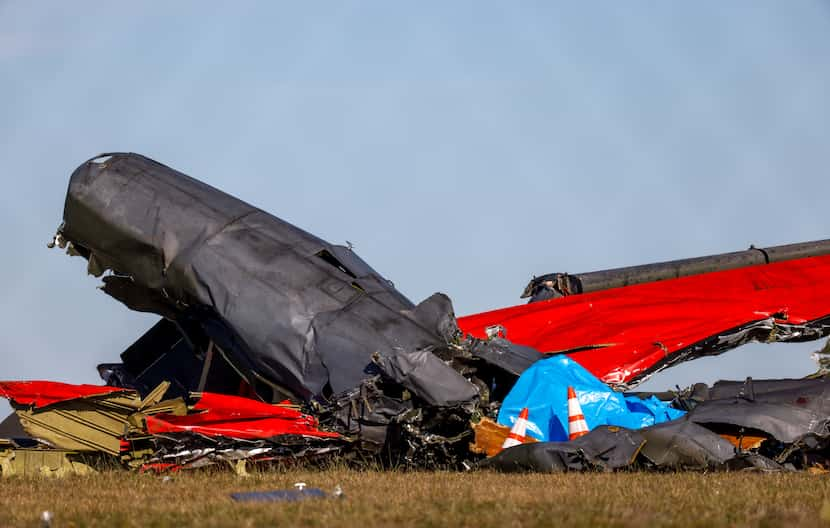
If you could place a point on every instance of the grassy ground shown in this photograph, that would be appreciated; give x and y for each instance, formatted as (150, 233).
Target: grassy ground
(479, 499)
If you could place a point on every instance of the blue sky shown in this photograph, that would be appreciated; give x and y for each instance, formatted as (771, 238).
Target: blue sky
(461, 146)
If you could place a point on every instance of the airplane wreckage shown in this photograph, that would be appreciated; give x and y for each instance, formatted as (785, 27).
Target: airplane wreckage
(275, 347)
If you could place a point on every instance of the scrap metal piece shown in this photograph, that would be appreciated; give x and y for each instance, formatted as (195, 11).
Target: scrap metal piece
(417, 371)
(83, 418)
(220, 415)
(784, 409)
(183, 451)
(685, 445)
(606, 448)
(743, 441)
(40, 463)
(500, 352)
(10, 428)
(42, 393)
(786, 423)
(288, 495)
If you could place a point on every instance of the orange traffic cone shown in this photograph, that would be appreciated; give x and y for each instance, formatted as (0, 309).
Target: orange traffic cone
(577, 426)
(517, 433)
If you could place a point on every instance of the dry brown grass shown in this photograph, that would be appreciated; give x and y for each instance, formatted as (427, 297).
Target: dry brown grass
(479, 499)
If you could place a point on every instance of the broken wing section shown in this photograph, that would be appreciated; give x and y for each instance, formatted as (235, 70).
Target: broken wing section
(624, 335)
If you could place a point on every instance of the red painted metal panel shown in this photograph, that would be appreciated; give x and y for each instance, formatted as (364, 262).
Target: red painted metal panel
(238, 417)
(636, 328)
(211, 415)
(42, 393)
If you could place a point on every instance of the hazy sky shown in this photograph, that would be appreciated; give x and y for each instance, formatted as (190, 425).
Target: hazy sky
(461, 146)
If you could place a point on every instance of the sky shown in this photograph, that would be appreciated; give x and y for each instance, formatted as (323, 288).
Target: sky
(462, 147)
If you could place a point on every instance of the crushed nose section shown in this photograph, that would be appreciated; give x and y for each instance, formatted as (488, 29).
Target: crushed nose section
(292, 314)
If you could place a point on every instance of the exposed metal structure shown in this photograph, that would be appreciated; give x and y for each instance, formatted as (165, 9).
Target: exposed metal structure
(554, 285)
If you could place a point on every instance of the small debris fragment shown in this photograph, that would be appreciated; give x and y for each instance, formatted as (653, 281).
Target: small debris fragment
(279, 495)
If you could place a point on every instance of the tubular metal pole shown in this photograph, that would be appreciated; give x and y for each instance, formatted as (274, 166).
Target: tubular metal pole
(558, 284)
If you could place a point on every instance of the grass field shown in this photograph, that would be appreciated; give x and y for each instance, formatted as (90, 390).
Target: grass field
(480, 499)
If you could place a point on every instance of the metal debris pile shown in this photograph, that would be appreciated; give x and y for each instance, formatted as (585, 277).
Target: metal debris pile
(120, 428)
(771, 425)
(276, 347)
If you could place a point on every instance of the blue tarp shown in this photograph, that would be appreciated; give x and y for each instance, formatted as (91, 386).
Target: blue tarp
(543, 389)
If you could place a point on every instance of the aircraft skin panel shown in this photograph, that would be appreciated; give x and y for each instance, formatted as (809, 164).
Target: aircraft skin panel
(622, 335)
